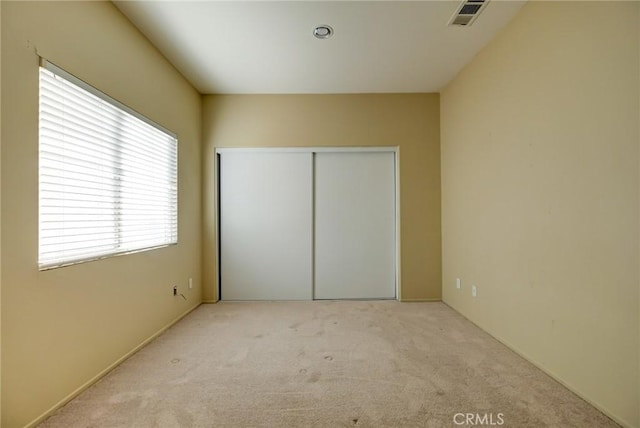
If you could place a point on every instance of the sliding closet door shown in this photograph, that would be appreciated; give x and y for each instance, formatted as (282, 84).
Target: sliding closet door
(355, 225)
(266, 225)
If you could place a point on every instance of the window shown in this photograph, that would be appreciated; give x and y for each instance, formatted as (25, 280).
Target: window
(107, 175)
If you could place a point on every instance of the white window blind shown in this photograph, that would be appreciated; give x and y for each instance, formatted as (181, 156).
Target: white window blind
(108, 176)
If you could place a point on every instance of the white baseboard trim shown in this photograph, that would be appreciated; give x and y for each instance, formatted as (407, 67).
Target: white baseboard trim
(209, 302)
(106, 371)
(419, 300)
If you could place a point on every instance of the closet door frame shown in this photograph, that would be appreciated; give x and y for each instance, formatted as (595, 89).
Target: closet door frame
(313, 150)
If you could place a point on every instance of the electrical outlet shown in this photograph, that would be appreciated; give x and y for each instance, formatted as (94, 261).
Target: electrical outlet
(474, 291)
(190, 283)
(175, 290)
(458, 283)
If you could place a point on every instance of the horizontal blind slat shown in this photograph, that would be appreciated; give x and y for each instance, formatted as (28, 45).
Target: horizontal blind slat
(90, 139)
(79, 150)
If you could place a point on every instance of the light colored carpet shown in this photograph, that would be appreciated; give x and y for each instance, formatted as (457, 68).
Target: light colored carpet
(325, 364)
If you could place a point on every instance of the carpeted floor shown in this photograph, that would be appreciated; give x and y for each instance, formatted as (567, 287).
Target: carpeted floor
(326, 364)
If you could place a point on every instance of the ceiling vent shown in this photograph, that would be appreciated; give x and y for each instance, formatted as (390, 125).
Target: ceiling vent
(468, 12)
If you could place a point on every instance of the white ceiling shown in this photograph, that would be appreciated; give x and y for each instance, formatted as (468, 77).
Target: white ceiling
(263, 47)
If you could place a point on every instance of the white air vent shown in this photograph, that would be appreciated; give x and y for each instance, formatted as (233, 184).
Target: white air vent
(468, 12)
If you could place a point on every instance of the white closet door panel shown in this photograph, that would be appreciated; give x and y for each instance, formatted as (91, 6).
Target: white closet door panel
(355, 225)
(266, 226)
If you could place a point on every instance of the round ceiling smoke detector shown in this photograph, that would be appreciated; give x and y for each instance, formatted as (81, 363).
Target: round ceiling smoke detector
(323, 31)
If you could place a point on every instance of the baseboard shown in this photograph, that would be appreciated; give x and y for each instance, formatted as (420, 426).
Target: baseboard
(400, 300)
(553, 375)
(106, 371)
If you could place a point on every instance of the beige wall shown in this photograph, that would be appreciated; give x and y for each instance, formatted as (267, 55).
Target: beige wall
(540, 195)
(63, 327)
(408, 121)
(0, 217)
